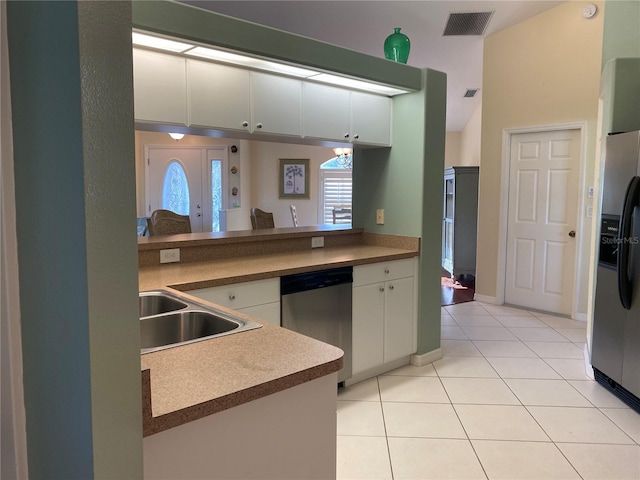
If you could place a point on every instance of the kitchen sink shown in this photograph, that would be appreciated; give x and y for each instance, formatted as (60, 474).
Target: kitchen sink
(167, 320)
(155, 303)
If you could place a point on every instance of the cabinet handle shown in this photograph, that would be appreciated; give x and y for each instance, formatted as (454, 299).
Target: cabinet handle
(390, 287)
(245, 124)
(346, 135)
(386, 271)
(232, 297)
(381, 289)
(356, 136)
(258, 125)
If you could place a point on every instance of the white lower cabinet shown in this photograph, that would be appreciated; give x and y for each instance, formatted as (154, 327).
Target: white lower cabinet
(384, 313)
(260, 298)
(287, 435)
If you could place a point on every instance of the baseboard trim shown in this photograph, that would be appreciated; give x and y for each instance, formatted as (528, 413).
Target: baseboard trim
(375, 371)
(581, 316)
(486, 299)
(426, 358)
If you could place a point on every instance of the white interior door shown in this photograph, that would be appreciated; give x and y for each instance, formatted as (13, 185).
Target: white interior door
(542, 220)
(174, 182)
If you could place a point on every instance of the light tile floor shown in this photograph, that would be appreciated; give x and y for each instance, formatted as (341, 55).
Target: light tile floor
(511, 399)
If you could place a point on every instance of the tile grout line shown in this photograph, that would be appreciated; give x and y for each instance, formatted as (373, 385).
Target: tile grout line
(384, 424)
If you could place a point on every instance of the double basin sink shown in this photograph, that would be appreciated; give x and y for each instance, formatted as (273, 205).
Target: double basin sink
(168, 320)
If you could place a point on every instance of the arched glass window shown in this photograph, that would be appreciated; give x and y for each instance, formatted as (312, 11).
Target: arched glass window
(175, 189)
(335, 191)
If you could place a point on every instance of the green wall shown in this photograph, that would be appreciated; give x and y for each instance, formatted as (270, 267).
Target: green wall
(72, 103)
(621, 36)
(620, 83)
(406, 181)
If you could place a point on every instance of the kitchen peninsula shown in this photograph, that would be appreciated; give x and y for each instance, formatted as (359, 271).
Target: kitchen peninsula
(247, 381)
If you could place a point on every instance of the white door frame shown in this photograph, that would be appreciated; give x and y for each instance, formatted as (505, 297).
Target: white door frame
(507, 135)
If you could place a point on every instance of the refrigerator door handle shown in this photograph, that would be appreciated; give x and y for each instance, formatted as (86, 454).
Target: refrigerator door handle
(624, 242)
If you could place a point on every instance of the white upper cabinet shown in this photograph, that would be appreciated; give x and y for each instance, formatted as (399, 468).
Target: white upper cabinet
(332, 113)
(326, 112)
(179, 91)
(160, 87)
(218, 96)
(276, 104)
(370, 119)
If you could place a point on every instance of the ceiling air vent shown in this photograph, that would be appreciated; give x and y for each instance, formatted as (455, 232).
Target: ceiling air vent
(467, 23)
(471, 92)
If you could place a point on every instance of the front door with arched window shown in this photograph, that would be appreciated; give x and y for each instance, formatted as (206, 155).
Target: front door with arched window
(188, 181)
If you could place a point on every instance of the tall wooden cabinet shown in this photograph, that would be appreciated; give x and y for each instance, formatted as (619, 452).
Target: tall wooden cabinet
(460, 219)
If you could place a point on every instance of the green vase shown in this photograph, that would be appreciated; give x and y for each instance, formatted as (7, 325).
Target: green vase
(397, 46)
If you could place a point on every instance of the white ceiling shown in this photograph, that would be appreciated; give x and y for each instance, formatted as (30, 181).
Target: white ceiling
(363, 25)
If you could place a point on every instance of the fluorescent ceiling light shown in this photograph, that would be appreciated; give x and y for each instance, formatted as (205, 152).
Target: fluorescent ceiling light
(174, 46)
(358, 84)
(252, 62)
(159, 43)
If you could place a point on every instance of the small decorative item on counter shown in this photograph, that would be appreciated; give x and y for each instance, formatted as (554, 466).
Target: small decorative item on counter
(234, 191)
(234, 169)
(397, 46)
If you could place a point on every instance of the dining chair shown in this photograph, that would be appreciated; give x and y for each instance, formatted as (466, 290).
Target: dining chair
(261, 219)
(166, 222)
(294, 215)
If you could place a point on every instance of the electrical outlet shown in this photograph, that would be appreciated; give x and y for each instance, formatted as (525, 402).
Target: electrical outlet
(170, 255)
(317, 242)
(380, 216)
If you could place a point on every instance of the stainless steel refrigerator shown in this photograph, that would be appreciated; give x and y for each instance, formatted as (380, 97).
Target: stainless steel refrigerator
(615, 344)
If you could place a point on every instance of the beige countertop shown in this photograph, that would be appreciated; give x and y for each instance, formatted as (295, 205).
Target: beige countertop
(185, 383)
(191, 276)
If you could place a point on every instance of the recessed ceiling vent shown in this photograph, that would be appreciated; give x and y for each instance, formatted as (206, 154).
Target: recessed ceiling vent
(467, 23)
(471, 92)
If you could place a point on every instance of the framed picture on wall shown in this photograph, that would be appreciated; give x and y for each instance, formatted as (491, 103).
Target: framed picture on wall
(294, 177)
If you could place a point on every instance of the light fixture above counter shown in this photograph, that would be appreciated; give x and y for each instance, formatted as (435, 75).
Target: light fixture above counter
(179, 47)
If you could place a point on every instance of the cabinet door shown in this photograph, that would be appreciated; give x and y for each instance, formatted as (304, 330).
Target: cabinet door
(325, 112)
(370, 119)
(277, 104)
(159, 88)
(399, 319)
(368, 327)
(218, 96)
(269, 312)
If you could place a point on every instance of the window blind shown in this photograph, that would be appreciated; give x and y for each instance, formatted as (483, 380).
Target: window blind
(336, 194)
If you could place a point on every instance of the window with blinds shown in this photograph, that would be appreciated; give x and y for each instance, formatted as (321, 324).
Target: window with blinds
(336, 196)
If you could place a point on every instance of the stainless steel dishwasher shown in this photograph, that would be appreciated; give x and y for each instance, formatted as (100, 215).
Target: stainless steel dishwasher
(318, 305)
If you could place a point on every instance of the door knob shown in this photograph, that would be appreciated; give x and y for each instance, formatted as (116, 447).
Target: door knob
(572, 233)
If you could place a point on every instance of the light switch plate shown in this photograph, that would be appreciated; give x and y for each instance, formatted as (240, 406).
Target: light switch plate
(380, 216)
